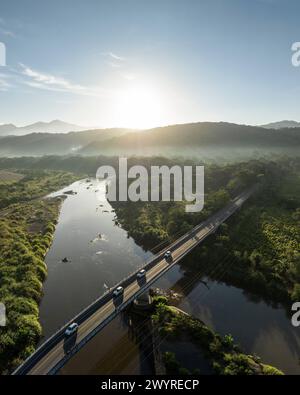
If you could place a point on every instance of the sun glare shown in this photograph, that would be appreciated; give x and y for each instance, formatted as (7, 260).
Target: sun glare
(139, 107)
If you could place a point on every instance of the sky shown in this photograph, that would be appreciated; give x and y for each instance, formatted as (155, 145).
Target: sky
(140, 64)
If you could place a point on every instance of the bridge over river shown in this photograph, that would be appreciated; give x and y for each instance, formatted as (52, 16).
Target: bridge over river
(51, 356)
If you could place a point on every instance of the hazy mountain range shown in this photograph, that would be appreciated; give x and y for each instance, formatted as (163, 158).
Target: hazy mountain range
(37, 144)
(170, 140)
(203, 134)
(58, 126)
(281, 125)
(55, 126)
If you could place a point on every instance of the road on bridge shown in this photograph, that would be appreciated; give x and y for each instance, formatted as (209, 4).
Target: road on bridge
(54, 353)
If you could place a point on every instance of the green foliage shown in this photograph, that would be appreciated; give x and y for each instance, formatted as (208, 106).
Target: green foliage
(160, 300)
(33, 185)
(228, 340)
(296, 293)
(221, 352)
(239, 364)
(171, 363)
(7, 177)
(26, 230)
(261, 242)
(271, 371)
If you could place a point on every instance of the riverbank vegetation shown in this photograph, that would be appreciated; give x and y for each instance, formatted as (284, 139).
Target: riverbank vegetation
(223, 356)
(8, 177)
(33, 184)
(27, 225)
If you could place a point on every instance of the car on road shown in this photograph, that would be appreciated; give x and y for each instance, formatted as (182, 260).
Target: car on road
(71, 329)
(168, 255)
(141, 273)
(118, 291)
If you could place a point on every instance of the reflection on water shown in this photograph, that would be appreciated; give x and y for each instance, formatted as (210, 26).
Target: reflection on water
(189, 356)
(259, 328)
(100, 254)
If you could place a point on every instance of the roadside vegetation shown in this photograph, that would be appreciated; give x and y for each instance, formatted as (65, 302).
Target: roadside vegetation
(223, 355)
(27, 224)
(261, 245)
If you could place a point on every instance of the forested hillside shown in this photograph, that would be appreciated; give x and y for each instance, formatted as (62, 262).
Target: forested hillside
(259, 246)
(217, 136)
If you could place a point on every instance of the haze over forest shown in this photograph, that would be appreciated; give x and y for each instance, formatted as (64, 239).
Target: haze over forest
(183, 139)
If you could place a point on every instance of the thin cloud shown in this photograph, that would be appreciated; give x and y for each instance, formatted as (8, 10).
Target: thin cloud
(48, 79)
(41, 80)
(114, 56)
(4, 85)
(117, 62)
(113, 60)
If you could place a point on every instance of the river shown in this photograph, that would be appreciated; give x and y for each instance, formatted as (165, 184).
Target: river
(99, 253)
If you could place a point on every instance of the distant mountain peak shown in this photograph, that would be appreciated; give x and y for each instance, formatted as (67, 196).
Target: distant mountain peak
(8, 125)
(55, 126)
(282, 125)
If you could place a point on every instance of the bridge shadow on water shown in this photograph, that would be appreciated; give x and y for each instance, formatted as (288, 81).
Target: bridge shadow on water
(69, 343)
(142, 281)
(118, 301)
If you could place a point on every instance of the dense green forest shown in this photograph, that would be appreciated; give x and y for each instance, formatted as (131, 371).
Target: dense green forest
(27, 224)
(224, 357)
(259, 247)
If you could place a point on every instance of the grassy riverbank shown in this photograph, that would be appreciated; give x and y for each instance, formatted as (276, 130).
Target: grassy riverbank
(27, 224)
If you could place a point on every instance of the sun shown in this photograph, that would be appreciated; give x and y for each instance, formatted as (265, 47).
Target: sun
(139, 107)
